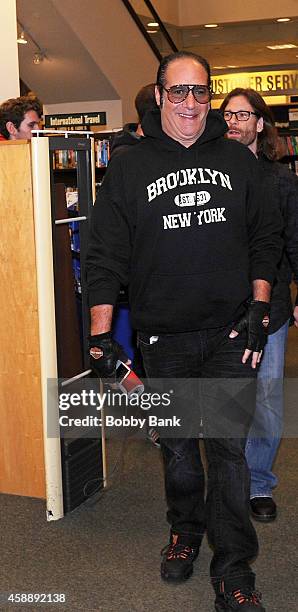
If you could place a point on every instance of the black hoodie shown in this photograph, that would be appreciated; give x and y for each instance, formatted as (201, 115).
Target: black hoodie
(186, 228)
(125, 139)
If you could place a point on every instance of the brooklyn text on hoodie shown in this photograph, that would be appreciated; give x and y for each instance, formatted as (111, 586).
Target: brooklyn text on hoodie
(187, 176)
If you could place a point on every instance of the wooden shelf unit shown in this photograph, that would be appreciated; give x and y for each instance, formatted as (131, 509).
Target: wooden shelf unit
(32, 462)
(22, 470)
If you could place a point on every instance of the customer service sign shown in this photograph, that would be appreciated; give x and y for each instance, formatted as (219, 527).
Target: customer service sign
(273, 83)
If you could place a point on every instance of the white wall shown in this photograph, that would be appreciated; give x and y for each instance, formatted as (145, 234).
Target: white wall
(9, 65)
(166, 9)
(113, 108)
(110, 36)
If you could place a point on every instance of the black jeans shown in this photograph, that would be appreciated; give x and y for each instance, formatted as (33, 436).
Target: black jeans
(209, 355)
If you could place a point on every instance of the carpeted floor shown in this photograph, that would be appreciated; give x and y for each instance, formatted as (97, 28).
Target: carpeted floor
(105, 556)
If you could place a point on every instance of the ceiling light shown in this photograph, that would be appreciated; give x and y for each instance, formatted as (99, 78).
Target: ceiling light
(152, 31)
(211, 25)
(283, 19)
(22, 39)
(153, 24)
(230, 66)
(38, 58)
(218, 67)
(279, 47)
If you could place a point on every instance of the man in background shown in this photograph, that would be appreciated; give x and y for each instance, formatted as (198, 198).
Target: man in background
(132, 132)
(250, 122)
(19, 116)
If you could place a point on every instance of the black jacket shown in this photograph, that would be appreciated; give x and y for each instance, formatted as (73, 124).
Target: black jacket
(283, 185)
(187, 228)
(125, 139)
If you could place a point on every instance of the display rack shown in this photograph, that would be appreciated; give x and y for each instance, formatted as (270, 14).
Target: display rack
(82, 457)
(287, 124)
(72, 463)
(68, 223)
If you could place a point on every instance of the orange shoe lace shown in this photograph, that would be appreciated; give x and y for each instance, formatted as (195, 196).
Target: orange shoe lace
(176, 550)
(240, 597)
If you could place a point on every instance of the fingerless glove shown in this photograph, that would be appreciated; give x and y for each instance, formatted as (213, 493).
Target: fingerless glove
(256, 322)
(104, 354)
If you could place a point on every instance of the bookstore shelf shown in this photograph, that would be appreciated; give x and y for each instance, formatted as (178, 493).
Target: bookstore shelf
(286, 122)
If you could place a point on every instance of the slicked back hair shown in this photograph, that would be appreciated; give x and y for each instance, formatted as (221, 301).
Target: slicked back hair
(168, 59)
(267, 140)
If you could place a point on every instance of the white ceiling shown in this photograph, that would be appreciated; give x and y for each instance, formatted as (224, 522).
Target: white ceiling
(69, 73)
(239, 44)
(245, 44)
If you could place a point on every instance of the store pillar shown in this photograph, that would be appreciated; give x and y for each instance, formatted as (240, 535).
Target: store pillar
(9, 67)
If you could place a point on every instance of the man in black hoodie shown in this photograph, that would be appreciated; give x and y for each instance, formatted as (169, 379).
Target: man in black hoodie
(181, 220)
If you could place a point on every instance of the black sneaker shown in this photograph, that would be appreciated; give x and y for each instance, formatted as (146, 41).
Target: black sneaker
(243, 600)
(178, 558)
(263, 509)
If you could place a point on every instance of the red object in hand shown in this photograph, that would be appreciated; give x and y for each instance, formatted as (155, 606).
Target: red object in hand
(128, 382)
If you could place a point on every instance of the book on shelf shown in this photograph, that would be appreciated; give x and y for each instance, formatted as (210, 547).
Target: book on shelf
(293, 117)
(64, 159)
(72, 203)
(289, 144)
(72, 198)
(102, 152)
